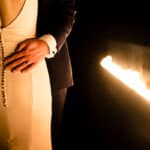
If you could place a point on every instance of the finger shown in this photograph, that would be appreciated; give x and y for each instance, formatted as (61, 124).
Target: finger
(14, 64)
(34, 57)
(29, 68)
(41, 50)
(27, 44)
(21, 46)
(37, 52)
(32, 51)
(21, 67)
(13, 57)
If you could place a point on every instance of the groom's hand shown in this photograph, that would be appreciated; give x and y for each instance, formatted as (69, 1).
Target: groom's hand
(27, 55)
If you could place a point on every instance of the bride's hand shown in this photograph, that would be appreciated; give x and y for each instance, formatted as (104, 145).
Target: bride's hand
(27, 55)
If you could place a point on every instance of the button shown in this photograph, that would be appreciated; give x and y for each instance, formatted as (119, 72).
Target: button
(12, 142)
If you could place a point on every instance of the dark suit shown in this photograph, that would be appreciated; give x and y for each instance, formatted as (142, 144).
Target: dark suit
(57, 17)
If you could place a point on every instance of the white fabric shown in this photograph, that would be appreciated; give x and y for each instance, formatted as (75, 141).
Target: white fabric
(0, 22)
(26, 121)
(51, 42)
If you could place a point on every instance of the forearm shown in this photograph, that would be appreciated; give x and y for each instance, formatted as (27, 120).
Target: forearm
(57, 20)
(51, 43)
(63, 21)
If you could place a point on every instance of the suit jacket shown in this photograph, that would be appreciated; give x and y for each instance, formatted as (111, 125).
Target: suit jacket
(57, 17)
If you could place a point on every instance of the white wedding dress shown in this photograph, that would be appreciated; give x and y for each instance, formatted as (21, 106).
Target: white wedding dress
(25, 122)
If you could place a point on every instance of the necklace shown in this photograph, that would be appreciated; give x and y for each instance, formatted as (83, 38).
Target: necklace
(3, 74)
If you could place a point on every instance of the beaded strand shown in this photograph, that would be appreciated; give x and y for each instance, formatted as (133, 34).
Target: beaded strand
(3, 74)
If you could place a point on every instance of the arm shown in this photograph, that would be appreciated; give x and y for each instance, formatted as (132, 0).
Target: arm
(63, 26)
(61, 21)
(56, 19)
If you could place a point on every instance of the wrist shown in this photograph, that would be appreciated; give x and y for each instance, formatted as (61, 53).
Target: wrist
(51, 44)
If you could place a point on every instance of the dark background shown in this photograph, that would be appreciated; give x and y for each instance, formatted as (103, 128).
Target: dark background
(100, 112)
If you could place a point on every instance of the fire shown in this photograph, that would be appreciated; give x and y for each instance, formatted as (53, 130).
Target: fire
(129, 77)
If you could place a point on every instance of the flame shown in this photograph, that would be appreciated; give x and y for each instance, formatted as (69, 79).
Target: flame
(129, 77)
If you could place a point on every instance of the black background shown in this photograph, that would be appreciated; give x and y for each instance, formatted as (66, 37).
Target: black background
(100, 112)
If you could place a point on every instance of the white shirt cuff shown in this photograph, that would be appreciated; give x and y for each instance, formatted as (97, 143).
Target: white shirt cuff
(51, 42)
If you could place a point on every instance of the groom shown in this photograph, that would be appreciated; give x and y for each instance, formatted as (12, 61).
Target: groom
(55, 20)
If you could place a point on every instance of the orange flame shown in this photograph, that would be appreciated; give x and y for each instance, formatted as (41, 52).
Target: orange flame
(129, 77)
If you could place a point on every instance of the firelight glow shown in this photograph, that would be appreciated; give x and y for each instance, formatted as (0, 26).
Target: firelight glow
(129, 77)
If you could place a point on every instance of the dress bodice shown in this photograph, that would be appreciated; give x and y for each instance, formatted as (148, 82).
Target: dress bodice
(22, 27)
(25, 121)
(9, 10)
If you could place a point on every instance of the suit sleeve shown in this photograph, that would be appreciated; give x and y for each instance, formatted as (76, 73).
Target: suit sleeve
(63, 19)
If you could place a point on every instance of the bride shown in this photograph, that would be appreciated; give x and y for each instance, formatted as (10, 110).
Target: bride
(25, 92)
